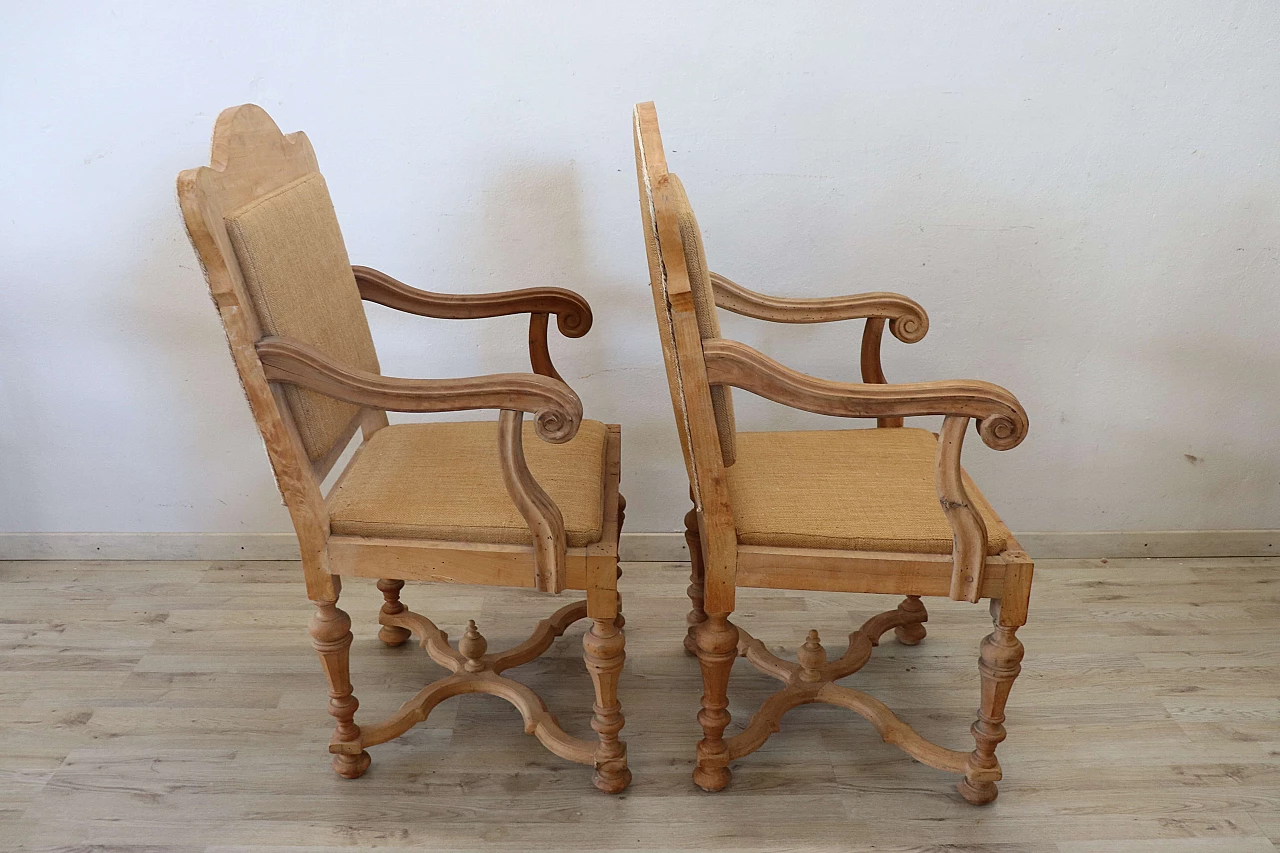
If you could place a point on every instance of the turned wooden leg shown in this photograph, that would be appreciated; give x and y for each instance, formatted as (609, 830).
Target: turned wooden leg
(622, 517)
(913, 631)
(603, 650)
(392, 635)
(999, 663)
(331, 638)
(717, 644)
(697, 581)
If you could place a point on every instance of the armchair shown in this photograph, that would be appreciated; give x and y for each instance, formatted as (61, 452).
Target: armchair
(883, 510)
(507, 504)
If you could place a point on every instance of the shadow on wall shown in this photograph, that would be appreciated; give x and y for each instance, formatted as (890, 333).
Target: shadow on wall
(530, 233)
(527, 229)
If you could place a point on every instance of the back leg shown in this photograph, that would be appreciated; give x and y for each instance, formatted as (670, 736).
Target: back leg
(392, 635)
(914, 615)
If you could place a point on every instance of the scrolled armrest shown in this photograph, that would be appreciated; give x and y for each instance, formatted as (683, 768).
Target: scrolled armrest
(573, 313)
(907, 319)
(1002, 420)
(556, 408)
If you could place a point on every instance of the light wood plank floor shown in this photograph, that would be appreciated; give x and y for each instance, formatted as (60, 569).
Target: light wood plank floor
(179, 707)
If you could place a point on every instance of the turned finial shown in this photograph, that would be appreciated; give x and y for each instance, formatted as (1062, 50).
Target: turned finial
(812, 656)
(473, 646)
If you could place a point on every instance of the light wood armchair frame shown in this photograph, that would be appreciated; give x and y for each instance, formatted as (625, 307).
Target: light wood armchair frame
(252, 158)
(721, 563)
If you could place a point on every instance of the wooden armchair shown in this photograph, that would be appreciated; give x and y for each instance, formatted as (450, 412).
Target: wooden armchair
(846, 511)
(474, 503)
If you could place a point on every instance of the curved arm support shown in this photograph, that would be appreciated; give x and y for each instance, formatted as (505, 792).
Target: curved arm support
(539, 510)
(557, 409)
(907, 319)
(1003, 422)
(539, 352)
(969, 531)
(573, 313)
(872, 370)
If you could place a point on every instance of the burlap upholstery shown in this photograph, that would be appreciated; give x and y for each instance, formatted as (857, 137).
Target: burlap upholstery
(442, 481)
(857, 490)
(704, 307)
(298, 275)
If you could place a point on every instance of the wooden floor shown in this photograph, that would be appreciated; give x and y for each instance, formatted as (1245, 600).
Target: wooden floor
(179, 707)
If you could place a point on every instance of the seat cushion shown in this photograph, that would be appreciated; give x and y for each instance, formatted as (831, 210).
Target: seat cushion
(856, 490)
(442, 481)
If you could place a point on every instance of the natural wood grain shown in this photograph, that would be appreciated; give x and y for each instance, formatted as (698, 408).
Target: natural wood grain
(573, 313)
(331, 637)
(539, 510)
(907, 320)
(1003, 422)
(557, 410)
(252, 158)
(175, 707)
(699, 360)
(872, 369)
(969, 541)
(391, 607)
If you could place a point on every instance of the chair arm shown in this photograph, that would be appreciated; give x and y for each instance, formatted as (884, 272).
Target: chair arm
(1002, 424)
(1002, 420)
(573, 313)
(557, 409)
(907, 319)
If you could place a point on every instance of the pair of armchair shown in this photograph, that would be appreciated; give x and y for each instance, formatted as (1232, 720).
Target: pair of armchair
(538, 505)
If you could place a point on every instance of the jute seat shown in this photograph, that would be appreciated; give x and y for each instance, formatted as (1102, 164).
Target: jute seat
(883, 510)
(460, 503)
(849, 490)
(443, 481)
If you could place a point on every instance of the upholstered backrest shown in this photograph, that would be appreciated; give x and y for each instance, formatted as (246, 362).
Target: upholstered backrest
(298, 276)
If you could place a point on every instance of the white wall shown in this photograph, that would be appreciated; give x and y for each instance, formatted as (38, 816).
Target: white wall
(1085, 197)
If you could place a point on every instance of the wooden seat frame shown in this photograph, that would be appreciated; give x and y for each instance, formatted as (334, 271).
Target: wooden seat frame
(250, 158)
(720, 563)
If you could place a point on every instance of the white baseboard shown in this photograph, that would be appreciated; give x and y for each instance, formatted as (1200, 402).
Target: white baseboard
(636, 547)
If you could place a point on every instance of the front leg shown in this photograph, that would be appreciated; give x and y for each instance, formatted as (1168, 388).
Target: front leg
(999, 662)
(717, 644)
(331, 638)
(604, 652)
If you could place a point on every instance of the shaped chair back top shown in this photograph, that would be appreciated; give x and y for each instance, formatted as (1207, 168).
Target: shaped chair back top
(262, 221)
(685, 308)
